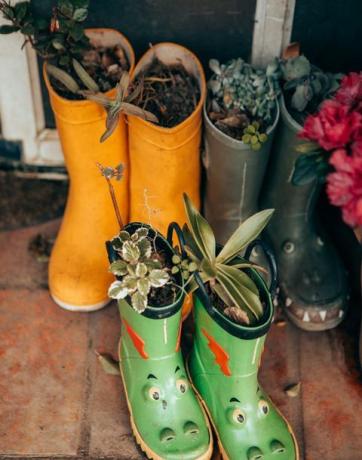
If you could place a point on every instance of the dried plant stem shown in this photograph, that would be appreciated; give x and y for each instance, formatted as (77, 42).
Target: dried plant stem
(115, 204)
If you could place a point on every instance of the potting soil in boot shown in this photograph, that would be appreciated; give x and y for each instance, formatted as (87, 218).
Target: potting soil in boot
(168, 91)
(223, 366)
(312, 279)
(166, 418)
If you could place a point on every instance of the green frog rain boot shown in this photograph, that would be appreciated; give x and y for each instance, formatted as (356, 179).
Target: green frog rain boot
(223, 366)
(312, 280)
(167, 420)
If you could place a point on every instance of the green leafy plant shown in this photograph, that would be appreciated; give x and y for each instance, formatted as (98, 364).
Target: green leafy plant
(224, 273)
(138, 266)
(60, 36)
(311, 164)
(305, 85)
(240, 95)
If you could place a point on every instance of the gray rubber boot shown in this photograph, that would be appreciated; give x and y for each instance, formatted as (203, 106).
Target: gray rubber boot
(234, 175)
(313, 287)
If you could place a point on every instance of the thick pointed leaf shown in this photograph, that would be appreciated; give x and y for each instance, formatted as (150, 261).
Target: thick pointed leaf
(109, 365)
(191, 246)
(122, 86)
(201, 231)
(242, 297)
(84, 76)
(248, 231)
(131, 109)
(241, 276)
(99, 98)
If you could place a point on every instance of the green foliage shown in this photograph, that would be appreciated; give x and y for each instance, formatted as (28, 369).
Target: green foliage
(139, 268)
(59, 36)
(311, 165)
(223, 272)
(307, 85)
(239, 88)
(184, 266)
(253, 137)
(121, 103)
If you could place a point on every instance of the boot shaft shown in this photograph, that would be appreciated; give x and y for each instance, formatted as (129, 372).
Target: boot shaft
(295, 202)
(234, 174)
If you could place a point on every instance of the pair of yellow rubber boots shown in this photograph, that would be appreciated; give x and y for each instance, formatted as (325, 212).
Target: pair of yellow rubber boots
(160, 164)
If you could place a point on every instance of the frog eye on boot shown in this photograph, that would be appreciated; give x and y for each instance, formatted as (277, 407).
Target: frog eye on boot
(182, 385)
(237, 416)
(154, 393)
(264, 407)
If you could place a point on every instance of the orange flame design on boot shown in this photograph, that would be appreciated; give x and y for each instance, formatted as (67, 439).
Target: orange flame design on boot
(138, 342)
(221, 357)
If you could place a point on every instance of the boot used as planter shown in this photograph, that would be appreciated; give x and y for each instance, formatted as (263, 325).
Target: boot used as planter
(165, 161)
(313, 285)
(166, 418)
(78, 276)
(235, 169)
(233, 313)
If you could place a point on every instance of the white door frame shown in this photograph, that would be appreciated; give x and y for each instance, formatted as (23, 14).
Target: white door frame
(21, 105)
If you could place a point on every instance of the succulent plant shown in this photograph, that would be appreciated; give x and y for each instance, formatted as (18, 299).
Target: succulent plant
(139, 268)
(183, 265)
(306, 84)
(239, 95)
(253, 137)
(224, 272)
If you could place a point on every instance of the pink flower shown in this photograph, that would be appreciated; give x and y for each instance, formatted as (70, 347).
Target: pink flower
(331, 128)
(344, 187)
(350, 91)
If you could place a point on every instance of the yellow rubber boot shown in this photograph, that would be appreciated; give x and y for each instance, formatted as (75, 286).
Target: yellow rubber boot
(78, 268)
(165, 162)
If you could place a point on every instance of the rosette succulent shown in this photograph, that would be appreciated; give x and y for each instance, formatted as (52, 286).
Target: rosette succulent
(139, 268)
(241, 95)
(306, 86)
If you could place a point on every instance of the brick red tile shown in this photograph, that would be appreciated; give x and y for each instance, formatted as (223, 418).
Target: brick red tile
(18, 268)
(332, 397)
(110, 433)
(42, 355)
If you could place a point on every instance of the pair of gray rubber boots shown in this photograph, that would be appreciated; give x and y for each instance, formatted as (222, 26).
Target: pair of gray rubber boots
(239, 181)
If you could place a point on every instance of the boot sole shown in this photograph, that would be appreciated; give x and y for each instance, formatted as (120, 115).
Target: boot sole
(150, 454)
(80, 308)
(223, 453)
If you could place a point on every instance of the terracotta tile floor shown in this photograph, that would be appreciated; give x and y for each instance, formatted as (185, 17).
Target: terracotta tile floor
(56, 402)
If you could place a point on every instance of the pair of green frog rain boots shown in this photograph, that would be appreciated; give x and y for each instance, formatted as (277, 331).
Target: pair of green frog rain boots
(170, 408)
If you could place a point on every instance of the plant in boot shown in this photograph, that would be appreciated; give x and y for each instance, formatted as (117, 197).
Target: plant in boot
(168, 91)
(122, 103)
(313, 284)
(166, 417)
(335, 138)
(241, 115)
(73, 61)
(232, 289)
(305, 86)
(243, 100)
(227, 348)
(139, 267)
